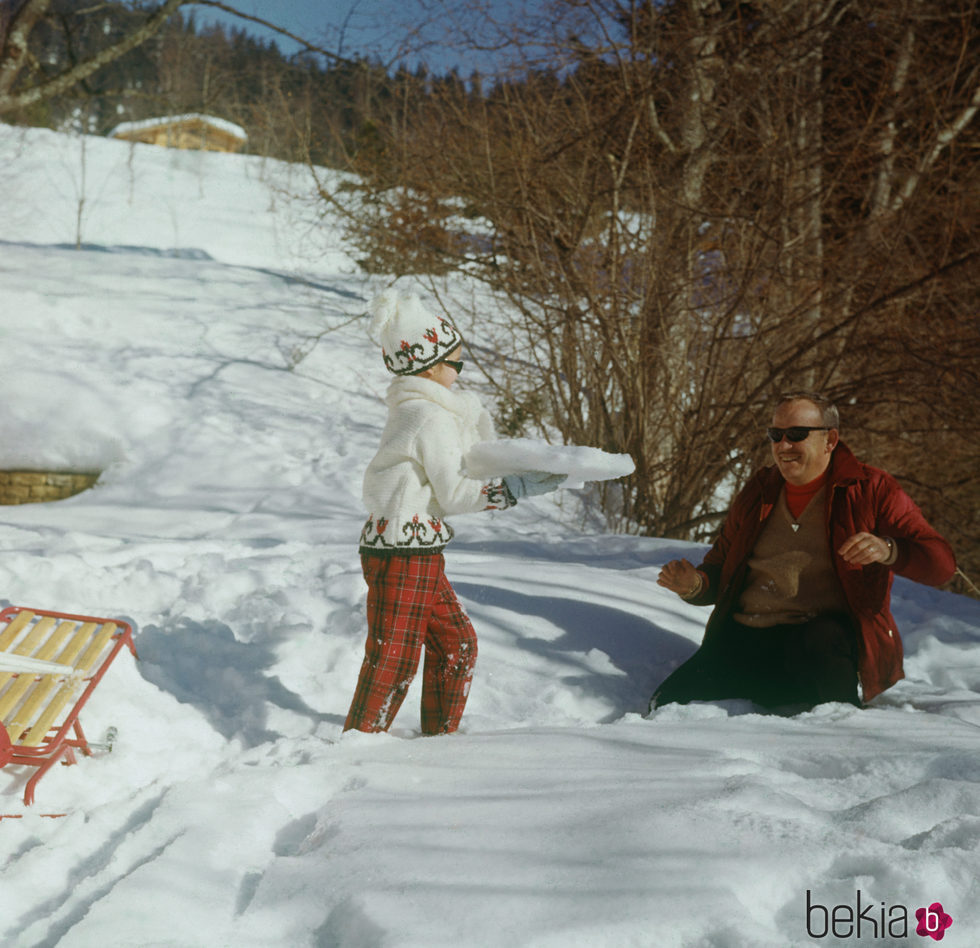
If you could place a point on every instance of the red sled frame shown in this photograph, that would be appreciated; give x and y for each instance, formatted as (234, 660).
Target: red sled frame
(90, 648)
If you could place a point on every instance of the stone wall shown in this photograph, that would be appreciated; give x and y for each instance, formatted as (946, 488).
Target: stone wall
(31, 487)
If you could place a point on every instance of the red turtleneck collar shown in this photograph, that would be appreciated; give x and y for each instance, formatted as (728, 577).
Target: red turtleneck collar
(798, 497)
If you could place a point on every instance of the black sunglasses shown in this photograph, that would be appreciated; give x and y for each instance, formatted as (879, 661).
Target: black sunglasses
(458, 366)
(795, 434)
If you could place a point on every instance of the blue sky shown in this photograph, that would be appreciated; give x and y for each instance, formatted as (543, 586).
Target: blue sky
(391, 30)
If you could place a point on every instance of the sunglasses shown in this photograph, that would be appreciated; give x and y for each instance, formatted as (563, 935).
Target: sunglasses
(458, 366)
(795, 434)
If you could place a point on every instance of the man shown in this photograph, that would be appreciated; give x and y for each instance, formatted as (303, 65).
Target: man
(801, 575)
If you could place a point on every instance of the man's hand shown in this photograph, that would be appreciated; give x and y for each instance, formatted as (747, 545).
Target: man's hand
(681, 577)
(863, 549)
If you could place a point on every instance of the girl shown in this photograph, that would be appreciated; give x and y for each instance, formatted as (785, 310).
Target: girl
(413, 482)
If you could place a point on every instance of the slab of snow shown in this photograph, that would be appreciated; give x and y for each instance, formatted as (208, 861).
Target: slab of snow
(517, 455)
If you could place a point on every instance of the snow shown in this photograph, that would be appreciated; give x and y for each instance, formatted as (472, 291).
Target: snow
(20, 663)
(517, 455)
(219, 123)
(205, 351)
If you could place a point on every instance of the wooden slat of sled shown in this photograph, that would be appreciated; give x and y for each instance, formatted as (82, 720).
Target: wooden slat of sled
(40, 711)
(35, 646)
(45, 685)
(94, 646)
(13, 629)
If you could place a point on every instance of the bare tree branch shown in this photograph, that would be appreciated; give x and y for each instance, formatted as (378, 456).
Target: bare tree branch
(71, 77)
(943, 140)
(14, 53)
(14, 50)
(301, 40)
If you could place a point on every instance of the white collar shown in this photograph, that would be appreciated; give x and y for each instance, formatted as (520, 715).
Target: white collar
(405, 388)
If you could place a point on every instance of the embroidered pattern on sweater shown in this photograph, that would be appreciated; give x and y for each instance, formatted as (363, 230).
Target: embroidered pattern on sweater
(436, 343)
(419, 533)
(498, 497)
(422, 532)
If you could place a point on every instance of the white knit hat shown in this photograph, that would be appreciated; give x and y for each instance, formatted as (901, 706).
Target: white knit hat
(411, 339)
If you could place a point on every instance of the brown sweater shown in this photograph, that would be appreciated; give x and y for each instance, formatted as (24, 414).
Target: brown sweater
(791, 574)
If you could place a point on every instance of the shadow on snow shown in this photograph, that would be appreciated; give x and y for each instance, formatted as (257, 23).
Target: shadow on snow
(204, 665)
(644, 651)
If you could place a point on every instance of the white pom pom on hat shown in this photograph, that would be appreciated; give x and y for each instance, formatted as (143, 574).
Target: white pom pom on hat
(411, 338)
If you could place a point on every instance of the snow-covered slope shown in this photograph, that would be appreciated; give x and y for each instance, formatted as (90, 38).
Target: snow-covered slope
(203, 350)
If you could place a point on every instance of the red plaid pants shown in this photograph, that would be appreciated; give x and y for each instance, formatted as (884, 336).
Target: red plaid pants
(410, 604)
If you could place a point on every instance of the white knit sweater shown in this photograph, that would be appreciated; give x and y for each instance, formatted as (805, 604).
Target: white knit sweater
(417, 478)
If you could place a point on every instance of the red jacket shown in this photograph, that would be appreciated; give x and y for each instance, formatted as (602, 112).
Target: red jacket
(860, 499)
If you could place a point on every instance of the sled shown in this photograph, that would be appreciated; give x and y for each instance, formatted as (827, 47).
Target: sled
(50, 664)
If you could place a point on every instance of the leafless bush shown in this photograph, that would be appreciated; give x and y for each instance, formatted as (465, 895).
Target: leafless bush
(702, 204)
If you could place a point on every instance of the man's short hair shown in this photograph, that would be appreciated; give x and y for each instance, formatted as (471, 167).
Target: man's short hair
(831, 416)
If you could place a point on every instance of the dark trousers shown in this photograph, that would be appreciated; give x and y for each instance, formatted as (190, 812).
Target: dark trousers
(801, 664)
